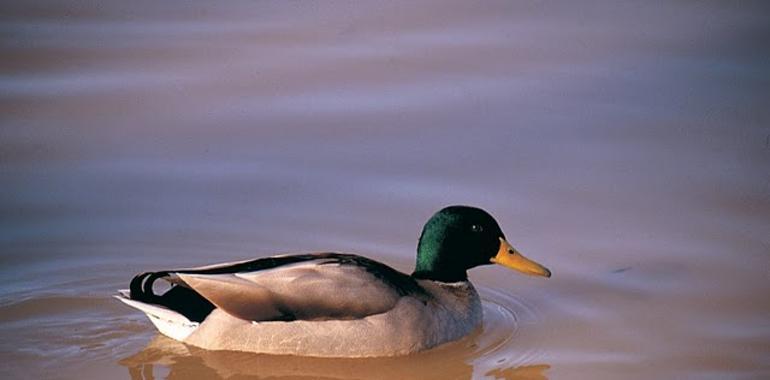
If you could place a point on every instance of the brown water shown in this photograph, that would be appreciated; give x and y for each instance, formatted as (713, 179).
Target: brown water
(624, 145)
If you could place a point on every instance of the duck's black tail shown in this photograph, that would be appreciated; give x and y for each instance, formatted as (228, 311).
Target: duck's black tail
(179, 298)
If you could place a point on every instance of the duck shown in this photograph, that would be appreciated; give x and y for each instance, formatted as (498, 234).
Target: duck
(331, 304)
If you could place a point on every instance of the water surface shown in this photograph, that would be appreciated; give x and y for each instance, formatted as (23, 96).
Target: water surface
(624, 145)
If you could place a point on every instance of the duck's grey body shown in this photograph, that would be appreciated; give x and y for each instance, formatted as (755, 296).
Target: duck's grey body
(328, 305)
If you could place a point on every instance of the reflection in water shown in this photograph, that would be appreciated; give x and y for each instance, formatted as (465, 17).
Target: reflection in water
(175, 360)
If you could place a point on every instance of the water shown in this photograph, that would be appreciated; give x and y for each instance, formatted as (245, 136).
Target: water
(623, 145)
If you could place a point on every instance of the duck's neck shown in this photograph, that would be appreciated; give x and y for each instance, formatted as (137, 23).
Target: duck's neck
(431, 266)
(439, 276)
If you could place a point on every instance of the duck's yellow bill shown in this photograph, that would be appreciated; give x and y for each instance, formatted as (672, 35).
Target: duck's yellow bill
(509, 257)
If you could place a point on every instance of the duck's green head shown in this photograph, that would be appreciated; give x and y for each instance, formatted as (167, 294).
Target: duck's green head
(458, 238)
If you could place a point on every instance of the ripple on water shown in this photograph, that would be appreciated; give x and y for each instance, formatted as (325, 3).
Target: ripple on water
(69, 327)
(504, 316)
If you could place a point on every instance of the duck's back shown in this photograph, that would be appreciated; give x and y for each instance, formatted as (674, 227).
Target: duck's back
(281, 288)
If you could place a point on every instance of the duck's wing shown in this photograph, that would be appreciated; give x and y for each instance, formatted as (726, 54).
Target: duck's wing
(310, 287)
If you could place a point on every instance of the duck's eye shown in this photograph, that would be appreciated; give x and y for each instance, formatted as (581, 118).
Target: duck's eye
(476, 228)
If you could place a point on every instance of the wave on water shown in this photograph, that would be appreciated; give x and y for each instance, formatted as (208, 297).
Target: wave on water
(505, 317)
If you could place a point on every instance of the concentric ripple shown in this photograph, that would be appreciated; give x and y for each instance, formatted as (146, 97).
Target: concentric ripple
(505, 318)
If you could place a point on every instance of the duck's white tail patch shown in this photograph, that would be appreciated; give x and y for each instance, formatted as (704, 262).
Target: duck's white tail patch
(167, 321)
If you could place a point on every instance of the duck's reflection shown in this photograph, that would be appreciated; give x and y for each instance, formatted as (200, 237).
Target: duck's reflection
(169, 359)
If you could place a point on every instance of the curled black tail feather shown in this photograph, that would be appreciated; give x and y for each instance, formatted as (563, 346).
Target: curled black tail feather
(181, 299)
(137, 290)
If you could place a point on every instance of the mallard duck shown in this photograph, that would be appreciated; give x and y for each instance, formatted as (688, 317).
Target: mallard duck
(335, 304)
